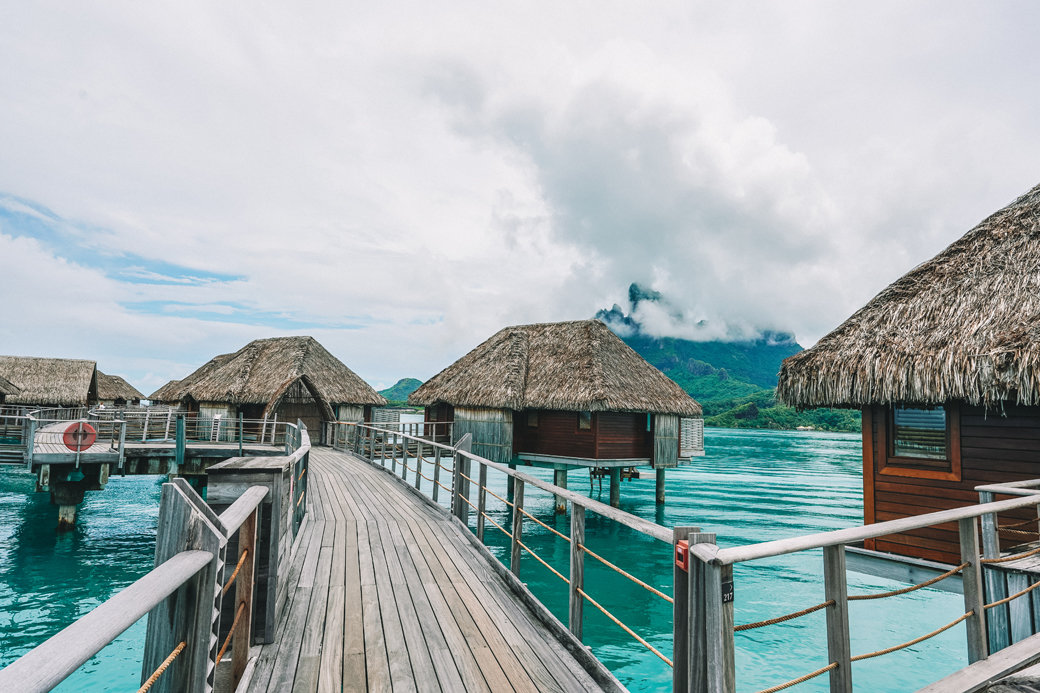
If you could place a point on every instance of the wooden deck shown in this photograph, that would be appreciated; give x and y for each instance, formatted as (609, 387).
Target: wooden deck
(386, 593)
(48, 441)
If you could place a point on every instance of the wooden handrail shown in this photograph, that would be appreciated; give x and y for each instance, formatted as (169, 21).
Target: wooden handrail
(51, 662)
(239, 511)
(646, 527)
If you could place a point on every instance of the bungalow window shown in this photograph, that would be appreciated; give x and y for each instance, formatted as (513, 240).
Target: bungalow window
(921, 442)
(919, 433)
(532, 419)
(584, 420)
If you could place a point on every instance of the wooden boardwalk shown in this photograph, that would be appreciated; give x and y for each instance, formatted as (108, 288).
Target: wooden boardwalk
(387, 593)
(49, 441)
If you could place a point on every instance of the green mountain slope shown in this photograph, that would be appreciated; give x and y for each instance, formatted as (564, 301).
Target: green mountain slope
(734, 381)
(398, 393)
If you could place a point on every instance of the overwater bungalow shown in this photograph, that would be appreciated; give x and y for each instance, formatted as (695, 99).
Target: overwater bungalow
(47, 382)
(565, 395)
(114, 391)
(945, 366)
(285, 377)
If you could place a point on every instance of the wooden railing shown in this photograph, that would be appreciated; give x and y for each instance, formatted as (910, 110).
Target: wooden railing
(182, 596)
(398, 451)
(709, 597)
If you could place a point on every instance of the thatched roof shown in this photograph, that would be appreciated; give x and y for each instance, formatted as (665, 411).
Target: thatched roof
(963, 326)
(8, 388)
(113, 387)
(60, 382)
(568, 366)
(166, 393)
(261, 371)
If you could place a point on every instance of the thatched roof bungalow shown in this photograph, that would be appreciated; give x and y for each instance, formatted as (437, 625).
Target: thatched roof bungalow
(285, 377)
(945, 365)
(561, 394)
(115, 391)
(47, 382)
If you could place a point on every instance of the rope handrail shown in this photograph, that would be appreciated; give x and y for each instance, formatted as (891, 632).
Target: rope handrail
(551, 529)
(894, 648)
(162, 668)
(1016, 595)
(231, 633)
(1013, 557)
(911, 588)
(1023, 523)
(625, 628)
(631, 577)
(785, 617)
(1016, 532)
(300, 500)
(446, 488)
(238, 567)
(509, 503)
(800, 679)
(540, 560)
(492, 521)
(468, 501)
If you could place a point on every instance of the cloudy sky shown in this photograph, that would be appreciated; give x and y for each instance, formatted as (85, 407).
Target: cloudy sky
(400, 181)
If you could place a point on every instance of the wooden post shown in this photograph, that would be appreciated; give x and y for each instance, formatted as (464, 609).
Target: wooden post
(393, 454)
(615, 487)
(240, 433)
(510, 484)
(836, 589)
(180, 445)
(144, 429)
(189, 614)
(481, 500)
(30, 443)
(680, 611)
(974, 599)
(169, 418)
(436, 473)
(244, 596)
(659, 488)
(576, 603)
(122, 443)
(697, 635)
(718, 621)
(418, 463)
(560, 479)
(518, 527)
(995, 581)
(460, 487)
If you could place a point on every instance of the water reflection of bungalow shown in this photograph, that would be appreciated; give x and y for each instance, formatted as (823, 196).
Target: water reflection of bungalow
(47, 382)
(565, 395)
(285, 377)
(945, 365)
(114, 391)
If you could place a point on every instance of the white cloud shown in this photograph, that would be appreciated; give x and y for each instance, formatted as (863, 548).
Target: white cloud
(425, 176)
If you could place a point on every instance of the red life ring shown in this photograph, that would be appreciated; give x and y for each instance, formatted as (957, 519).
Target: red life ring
(79, 436)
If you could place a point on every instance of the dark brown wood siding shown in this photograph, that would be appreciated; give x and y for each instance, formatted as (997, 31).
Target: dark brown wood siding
(613, 435)
(993, 446)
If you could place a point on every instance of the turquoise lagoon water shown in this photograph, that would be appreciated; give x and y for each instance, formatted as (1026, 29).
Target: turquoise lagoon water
(752, 486)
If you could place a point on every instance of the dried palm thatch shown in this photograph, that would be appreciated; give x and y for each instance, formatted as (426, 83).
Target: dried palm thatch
(261, 371)
(113, 387)
(566, 366)
(8, 388)
(964, 326)
(43, 381)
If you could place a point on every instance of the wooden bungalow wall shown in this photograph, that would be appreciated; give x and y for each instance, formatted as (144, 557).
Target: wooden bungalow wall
(297, 403)
(613, 435)
(492, 431)
(989, 447)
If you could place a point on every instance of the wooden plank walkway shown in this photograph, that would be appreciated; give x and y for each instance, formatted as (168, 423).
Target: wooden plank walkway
(49, 441)
(386, 593)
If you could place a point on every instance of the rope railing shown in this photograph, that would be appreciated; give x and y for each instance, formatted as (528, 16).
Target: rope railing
(905, 590)
(911, 643)
(231, 632)
(542, 561)
(558, 533)
(492, 521)
(509, 503)
(238, 567)
(625, 628)
(800, 679)
(631, 577)
(1013, 557)
(1016, 595)
(1023, 523)
(782, 619)
(162, 668)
